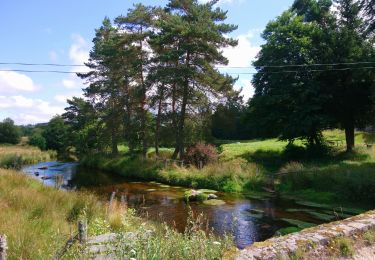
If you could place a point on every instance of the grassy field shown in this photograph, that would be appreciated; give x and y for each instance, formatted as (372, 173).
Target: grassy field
(14, 156)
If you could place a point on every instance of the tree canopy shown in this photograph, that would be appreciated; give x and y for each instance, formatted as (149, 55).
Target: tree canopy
(296, 94)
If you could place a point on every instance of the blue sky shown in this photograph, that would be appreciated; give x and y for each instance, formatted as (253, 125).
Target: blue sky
(42, 31)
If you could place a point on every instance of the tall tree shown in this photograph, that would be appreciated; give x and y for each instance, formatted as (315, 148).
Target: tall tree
(296, 98)
(351, 88)
(194, 34)
(105, 78)
(288, 104)
(138, 26)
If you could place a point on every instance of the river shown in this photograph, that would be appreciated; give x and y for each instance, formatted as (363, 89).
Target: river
(249, 218)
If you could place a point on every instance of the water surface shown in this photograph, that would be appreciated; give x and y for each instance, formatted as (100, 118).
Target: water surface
(247, 218)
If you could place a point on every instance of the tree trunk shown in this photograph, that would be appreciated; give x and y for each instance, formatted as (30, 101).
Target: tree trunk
(114, 142)
(181, 127)
(158, 119)
(349, 136)
(174, 121)
(143, 103)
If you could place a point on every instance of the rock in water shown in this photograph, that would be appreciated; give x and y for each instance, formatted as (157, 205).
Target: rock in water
(211, 196)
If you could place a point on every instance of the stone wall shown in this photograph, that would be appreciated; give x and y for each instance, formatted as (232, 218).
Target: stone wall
(276, 248)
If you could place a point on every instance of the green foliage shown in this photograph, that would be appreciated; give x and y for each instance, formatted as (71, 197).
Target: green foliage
(302, 104)
(38, 140)
(56, 134)
(228, 122)
(9, 133)
(343, 245)
(233, 176)
(287, 230)
(369, 237)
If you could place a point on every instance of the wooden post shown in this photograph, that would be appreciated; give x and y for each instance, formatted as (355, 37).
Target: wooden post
(200, 164)
(82, 232)
(3, 247)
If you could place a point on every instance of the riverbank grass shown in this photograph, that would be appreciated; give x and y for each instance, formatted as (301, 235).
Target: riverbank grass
(14, 156)
(324, 174)
(38, 220)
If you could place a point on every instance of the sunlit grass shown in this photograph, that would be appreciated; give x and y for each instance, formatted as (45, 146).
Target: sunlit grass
(35, 218)
(14, 156)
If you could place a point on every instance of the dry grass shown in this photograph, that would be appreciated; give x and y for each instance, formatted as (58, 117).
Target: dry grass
(14, 156)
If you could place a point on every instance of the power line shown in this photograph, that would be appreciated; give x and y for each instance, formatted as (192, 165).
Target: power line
(43, 71)
(223, 67)
(302, 65)
(42, 64)
(234, 73)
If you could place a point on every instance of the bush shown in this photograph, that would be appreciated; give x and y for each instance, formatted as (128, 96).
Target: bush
(38, 140)
(9, 133)
(201, 154)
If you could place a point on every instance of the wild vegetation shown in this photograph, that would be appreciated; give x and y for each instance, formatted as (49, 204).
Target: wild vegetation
(15, 156)
(38, 230)
(155, 94)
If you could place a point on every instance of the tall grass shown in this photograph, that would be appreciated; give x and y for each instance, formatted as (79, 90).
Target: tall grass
(232, 176)
(36, 219)
(139, 239)
(14, 156)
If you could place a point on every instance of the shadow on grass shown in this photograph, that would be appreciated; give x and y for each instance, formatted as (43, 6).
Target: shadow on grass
(272, 161)
(350, 182)
(369, 138)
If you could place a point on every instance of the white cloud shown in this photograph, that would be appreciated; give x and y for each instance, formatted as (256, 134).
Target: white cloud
(244, 53)
(222, 1)
(247, 88)
(79, 50)
(70, 82)
(63, 97)
(26, 110)
(12, 82)
(78, 55)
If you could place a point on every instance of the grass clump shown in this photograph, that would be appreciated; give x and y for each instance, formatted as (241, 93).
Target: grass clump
(342, 246)
(369, 237)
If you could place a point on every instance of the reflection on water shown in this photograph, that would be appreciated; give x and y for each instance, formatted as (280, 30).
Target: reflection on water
(249, 220)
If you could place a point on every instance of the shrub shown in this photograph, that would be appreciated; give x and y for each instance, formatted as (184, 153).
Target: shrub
(200, 154)
(38, 140)
(9, 132)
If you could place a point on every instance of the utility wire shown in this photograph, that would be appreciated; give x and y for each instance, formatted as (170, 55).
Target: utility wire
(224, 67)
(234, 73)
(42, 64)
(302, 65)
